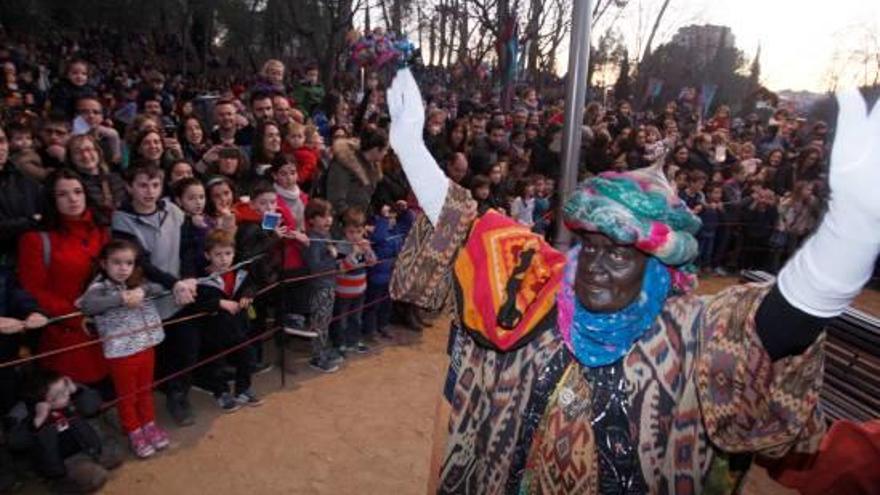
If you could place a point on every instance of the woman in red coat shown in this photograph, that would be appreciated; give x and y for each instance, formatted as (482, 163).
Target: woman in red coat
(74, 242)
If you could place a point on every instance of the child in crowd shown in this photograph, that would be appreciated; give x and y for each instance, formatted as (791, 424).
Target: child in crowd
(542, 205)
(22, 152)
(390, 228)
(324, 154)
(305, 157)
(497, 188)
(221, 197)
(63, 444)
(693, 195)
(260, 229)
(522, 209)
(355, 254)
(227, 294)
(189, 194)
(711, 215)
(480, 191)
(155, 226)
(321, 260)
(177, 171)
(292, 201)
(680, 180)
(130, 328)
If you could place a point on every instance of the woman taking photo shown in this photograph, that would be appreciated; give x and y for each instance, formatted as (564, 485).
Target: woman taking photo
(54, 266)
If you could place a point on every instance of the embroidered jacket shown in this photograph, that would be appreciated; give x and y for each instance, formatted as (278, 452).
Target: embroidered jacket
(700, 388)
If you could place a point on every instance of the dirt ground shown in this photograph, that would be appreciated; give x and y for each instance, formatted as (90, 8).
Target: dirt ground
(365, 430)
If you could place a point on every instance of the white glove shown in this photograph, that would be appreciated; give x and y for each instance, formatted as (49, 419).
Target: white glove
(429, 183)
(828, 272)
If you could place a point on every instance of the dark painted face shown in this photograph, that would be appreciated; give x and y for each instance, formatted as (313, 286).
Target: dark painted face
(609, 276)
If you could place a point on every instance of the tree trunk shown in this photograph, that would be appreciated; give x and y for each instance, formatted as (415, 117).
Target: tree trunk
(506, 34)
(654, 30)
(453, 21)
(366, 17)
(432, 40)
(463, 34)
(397, 16)
(442, 41)
(419, 24)
(385, 15)
(532, 34)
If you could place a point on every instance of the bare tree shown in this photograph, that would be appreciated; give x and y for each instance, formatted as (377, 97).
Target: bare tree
(654, 28)
(323, 24)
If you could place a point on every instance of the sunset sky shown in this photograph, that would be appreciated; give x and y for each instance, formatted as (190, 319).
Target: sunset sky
(800, 40)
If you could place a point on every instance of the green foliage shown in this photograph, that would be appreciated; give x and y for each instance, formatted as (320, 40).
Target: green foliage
(679, 66)
(623, 87)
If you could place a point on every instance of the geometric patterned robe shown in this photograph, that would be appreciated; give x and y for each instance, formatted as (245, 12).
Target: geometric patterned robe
(700, 388)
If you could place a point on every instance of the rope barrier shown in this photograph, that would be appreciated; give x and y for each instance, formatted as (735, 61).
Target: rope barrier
(145, 328)
(76, 314)
(256, 338)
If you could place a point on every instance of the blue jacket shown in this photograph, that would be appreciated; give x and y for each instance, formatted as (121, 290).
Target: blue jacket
(319, 260)
(15, 302)
(387, 242)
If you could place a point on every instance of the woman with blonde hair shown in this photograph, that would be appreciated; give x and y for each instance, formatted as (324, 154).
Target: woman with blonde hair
(104, 189)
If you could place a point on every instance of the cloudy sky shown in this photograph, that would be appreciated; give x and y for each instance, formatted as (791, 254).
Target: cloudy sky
(800, 39)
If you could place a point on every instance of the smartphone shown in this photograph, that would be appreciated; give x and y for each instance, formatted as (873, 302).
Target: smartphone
(271, 221)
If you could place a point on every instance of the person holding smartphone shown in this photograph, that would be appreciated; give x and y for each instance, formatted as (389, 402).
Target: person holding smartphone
(261, 231)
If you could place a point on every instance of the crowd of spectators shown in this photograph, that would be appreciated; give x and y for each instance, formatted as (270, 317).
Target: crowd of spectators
(130, 196)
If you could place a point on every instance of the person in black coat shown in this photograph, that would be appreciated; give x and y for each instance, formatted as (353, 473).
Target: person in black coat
(72, 87)
(393, 186)
(226, 294)
(20, 205)
(759, 218)
(700, 157)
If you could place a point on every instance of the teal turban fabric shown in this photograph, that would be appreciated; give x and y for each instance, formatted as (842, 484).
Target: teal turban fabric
(638, 208)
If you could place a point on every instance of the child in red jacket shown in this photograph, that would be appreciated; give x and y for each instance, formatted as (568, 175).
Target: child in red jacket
(306, 158)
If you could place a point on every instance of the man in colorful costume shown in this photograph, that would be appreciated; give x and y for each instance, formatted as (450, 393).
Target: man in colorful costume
(597, 371)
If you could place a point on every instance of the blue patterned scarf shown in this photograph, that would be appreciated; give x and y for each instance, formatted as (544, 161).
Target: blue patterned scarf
(599, 339)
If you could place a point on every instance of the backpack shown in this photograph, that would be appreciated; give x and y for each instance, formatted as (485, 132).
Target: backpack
(47, 247)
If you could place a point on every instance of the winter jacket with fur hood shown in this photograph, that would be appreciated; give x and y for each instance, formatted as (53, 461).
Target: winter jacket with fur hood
(351, 180)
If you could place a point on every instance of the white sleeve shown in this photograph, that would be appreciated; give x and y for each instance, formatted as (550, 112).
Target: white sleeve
(833, 265)
(428, 182)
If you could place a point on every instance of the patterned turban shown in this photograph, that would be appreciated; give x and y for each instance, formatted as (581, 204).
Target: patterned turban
(638, 208)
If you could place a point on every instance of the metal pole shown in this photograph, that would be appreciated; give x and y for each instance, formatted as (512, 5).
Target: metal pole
(575, 97)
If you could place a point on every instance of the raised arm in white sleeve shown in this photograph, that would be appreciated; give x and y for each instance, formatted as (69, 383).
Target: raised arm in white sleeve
(428, 182)
(833, 265)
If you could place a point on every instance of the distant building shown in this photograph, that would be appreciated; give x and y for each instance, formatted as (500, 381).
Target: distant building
(704, 40)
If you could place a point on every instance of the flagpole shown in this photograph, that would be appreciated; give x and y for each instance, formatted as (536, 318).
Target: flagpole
(575, 98)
